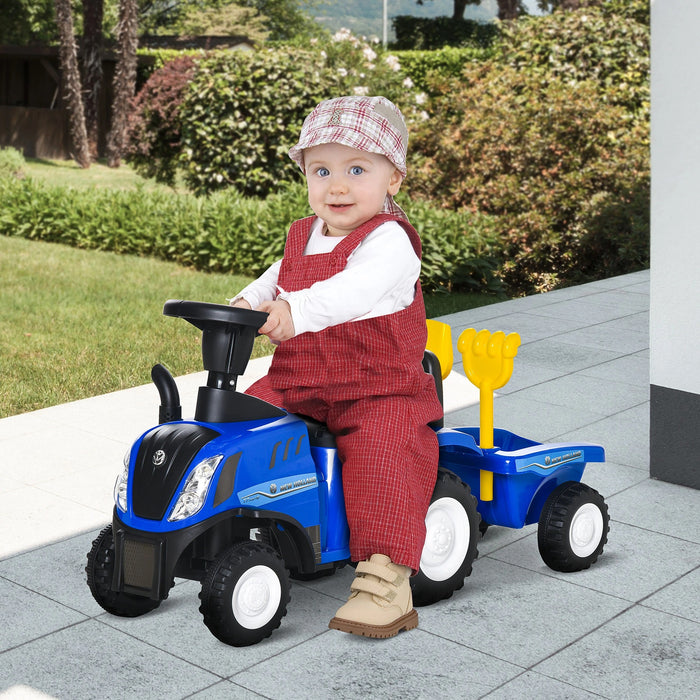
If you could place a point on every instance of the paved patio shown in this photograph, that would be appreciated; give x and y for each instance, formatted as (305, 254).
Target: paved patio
(629, 627)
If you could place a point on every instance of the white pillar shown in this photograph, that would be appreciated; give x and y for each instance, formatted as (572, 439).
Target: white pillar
(675, 243)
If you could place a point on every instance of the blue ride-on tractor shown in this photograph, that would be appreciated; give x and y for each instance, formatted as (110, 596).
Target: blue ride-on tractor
(246, 495)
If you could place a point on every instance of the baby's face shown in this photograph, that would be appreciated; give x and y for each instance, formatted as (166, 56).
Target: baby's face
(347, 187)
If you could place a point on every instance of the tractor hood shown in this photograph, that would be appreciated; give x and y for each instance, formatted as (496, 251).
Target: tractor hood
(162, 460)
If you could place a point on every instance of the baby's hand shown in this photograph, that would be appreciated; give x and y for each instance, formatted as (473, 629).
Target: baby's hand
(279, 325)
(240, 304)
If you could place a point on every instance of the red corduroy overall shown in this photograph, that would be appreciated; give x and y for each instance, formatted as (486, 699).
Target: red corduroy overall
(364, 379)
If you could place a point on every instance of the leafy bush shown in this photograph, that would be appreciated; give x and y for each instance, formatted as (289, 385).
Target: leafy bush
(608, 45)
(436, 32)
(243, 112)
(11, 162)
(423, 67)
(461, 251)
(550, 161)
(225, 232)
(154, 135)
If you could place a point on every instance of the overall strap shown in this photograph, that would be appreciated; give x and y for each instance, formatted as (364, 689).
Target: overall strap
(298, 237)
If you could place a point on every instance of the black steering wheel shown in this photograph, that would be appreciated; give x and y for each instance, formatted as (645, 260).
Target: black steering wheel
(228, 334)
(206, 316)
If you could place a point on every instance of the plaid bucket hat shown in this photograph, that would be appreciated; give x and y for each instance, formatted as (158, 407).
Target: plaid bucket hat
(370, 124)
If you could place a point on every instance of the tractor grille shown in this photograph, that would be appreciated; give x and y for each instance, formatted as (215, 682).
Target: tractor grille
(139, 564)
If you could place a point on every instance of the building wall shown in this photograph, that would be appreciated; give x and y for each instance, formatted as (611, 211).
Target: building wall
(675, 243)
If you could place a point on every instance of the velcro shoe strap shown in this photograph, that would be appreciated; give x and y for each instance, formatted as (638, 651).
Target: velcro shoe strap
(368, 585)
(382, 572)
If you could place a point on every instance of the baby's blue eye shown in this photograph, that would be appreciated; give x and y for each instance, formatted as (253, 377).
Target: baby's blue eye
(356, 170)
(323, 172)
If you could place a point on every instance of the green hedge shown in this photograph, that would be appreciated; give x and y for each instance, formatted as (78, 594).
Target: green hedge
(226, 232)
(422, 67)
(436, 32)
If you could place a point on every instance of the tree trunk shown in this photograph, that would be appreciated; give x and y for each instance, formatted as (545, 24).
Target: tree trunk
(68, 57)
(459, 6)
(124, 80)
(508, 9)
(93, 12)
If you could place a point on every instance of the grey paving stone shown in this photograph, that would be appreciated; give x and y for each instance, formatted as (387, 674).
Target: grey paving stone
(416, 664)
(625, 299)
(225, 690)
(625, 437)
(640, 654)
(28, 615)
(680, 598)
(609, 478)
(565, 357)
(623, 570)
(660, 507)
(518, 615)
(536, 420)
(92, 660)
(535, 685)
(495, 538)
(607, 336)
(587, 311)
(602, 396)
(629, 369)
(177, 628)
(56, 572)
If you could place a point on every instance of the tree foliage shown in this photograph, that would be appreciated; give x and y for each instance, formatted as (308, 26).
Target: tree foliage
(28, 22)
(551, 138)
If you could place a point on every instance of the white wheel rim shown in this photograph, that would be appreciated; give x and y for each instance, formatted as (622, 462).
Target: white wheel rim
(447, 539)
(586, 530)
(256, 597)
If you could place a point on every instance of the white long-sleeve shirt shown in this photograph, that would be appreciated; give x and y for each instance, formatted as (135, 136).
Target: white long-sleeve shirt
(379, 278)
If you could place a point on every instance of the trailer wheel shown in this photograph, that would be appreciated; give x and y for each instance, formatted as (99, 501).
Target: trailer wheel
(573, 527)
(452, 527)
(245, 594)
(99, 570)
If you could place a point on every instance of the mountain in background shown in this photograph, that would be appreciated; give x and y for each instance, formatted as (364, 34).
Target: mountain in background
(364, 17)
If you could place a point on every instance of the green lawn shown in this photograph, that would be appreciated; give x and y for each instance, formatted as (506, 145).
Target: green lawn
(70, 174)
(79, 323)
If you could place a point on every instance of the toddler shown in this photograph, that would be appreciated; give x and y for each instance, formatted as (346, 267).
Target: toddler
(346, 311)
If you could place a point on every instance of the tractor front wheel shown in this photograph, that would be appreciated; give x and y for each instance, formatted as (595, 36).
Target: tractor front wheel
(100, 569)
(245, 594)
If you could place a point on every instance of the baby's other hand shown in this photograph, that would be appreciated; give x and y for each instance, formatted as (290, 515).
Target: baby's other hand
(279, 325)
(240, 304)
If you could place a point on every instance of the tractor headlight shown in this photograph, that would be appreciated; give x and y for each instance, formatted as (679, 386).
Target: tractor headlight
(195, 490)
(121, 484)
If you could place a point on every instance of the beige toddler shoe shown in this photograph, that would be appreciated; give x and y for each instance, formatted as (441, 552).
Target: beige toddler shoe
(380, 604)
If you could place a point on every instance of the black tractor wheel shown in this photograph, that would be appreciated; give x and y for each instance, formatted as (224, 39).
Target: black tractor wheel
(452, 531)
(245, 594)
(100, 569)
(573, 527)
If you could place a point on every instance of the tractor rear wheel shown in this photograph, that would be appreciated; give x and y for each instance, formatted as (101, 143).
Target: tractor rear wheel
(452, 531)
(573, 527)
